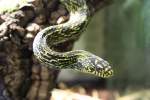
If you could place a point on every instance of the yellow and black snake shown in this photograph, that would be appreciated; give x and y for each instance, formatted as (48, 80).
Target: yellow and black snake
(79, 60)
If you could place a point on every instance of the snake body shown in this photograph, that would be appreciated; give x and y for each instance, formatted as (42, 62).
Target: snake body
(79, 60)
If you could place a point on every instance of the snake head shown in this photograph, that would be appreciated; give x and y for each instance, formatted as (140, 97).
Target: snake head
(95, 65)
(101, 67)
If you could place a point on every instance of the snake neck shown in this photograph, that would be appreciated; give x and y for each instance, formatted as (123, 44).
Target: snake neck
(45, 39)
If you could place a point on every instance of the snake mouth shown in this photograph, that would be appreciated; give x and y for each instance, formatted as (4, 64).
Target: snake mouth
(108, 73)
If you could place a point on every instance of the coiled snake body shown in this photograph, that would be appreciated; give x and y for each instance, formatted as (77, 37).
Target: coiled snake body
(79, 60)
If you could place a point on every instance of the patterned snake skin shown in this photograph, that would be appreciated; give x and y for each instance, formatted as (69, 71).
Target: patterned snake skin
(79, 60)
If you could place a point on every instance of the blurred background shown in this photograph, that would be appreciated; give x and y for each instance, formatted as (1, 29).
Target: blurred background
(120, 34)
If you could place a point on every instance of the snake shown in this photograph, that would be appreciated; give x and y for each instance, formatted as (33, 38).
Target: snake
(78, 60)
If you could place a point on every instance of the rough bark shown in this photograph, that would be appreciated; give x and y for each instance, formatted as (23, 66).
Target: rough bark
(21, 75)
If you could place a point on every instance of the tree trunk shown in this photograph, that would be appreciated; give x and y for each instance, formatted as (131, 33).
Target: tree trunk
(22, 76)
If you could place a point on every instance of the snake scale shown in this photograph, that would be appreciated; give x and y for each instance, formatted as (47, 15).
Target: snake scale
(79, 60)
